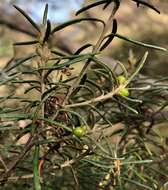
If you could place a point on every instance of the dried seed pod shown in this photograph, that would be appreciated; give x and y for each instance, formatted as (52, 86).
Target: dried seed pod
(51, 105)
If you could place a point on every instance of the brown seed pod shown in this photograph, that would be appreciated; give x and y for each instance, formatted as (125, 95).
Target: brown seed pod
(52, 104)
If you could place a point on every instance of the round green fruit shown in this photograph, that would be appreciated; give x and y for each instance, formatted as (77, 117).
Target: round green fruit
(121, 79)
(79, 131)
(124, 92)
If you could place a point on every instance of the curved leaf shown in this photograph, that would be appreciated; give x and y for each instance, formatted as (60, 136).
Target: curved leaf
(82, 48)
(109, 40)
(31, 88)
(137, 42)
(66, 24)
(107, 4)
(90, 6)
(147, 4)
(28, 18)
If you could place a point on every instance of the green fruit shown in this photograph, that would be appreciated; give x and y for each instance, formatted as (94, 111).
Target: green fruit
(124, 92)
(121, 79)
(79, 131)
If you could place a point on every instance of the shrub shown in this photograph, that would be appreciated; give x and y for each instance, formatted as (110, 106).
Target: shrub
(87, 130)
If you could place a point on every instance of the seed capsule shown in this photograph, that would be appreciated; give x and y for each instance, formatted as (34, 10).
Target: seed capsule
(79, 131)
(121, 79)
(124, 92)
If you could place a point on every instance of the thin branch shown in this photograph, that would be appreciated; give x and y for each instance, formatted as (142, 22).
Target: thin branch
(16, 178)
(113, 92)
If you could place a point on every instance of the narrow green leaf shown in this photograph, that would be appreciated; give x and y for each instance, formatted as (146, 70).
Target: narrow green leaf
(90, 6)
(132, 100)
(93, 83)
(25, 43)
(85, 87)
(58, 124)
(70, 57)
(15, 117)
(102, 115)
(19, 63)
(82, 48)
(137, 183)
(129, 108)
(117, 5)
(141, 64)
(60, 53)
(8, 127)
(107, 4)
(50, 70)
(157, 170)
(112, 76)
(45, 15)
(100, 146)
(68, 63)
(137, 162)
(27, 17)
(123, 68)
(137, 42)
(5, 81)
(147, 4)
(83, 80)
(69, 80)
(48, 31)
(37, 185)
(109, 40)
(3, 98)
(76, 114)
(66, 24)
(98, 164)
(9, 110)
(31, 88)
(25, 81)
(49, 92)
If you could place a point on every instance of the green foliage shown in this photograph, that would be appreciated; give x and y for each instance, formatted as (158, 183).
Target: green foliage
(116, 145)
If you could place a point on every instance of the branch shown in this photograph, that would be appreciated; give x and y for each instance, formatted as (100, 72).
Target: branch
(113, 92)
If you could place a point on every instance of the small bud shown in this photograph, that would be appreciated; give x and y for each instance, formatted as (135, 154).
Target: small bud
(121, 79)
(80, 131)
(124, 92)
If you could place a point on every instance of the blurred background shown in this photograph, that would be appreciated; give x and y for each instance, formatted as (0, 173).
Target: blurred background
(142, 24)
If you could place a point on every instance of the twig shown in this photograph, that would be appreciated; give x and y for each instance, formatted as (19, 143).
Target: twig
(113, 92)
(71, 162)
(98, 99)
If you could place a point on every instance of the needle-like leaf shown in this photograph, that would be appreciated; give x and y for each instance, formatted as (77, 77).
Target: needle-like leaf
(45, 15)
(28, 18)
(66, 24)
(146, 4)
